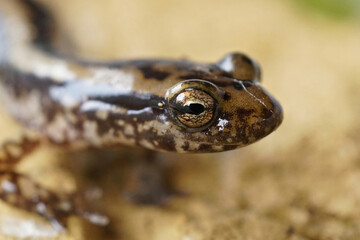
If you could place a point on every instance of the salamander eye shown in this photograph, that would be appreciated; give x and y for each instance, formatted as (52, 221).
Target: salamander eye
(194, 108)
(194, 103)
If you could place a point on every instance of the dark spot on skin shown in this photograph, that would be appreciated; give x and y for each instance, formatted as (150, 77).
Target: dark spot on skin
(229, 147)
(243, 113)
(243, 138)
(150, 72)
(186, 146)
(78, 124)
(205, 148)
(103, 126)
(257, 133)
(166, 142)
(227, 96)
(227, 115)
(51, 108)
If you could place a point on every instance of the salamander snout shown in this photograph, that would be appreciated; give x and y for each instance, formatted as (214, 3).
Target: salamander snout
(249, 114)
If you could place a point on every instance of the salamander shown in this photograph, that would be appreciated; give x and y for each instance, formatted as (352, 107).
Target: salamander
(157, 104)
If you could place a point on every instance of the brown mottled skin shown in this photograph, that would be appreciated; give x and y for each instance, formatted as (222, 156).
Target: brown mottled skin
(157, 104)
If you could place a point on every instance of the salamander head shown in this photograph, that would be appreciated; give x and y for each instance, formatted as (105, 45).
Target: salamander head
(227, 113)
(177, 106)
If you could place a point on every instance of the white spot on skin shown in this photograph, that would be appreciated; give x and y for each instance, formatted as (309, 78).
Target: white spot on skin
(29, 59)
(96, 218)
(143, 127)
(71, 116)
(218, 148)
(57, 70)
(222, 123)
(92, 137)
(141, 111)
(26, 109)
(97, 106)
(116, 78)
(60, 130)
(194, 146)
(91, 134)
(41, 207)
(179, 144)
(101, 114)
(147, 144)
(76, 92)
(43, 66)
(129, 130)
(65, 206)
(69, 101)
(89, 106)
(25, 228)
(163, 118)
(124, 140)
(140, 128)
(121, 122)
(8, 186)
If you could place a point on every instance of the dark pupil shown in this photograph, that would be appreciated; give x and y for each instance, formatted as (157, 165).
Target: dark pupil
(195, 108)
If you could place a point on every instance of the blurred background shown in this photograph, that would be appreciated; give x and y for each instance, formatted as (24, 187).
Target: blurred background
(301, 182)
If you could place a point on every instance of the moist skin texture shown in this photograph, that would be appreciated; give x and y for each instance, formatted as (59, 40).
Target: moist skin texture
(81, 103)
(156, 104)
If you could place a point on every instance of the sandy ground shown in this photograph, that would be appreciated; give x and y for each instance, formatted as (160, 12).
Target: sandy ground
(301, 182)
